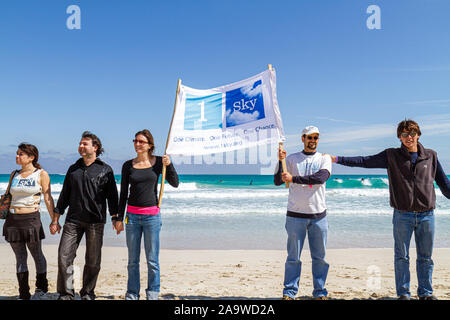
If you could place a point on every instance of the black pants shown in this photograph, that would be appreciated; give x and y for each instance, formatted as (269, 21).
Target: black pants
(72, 234)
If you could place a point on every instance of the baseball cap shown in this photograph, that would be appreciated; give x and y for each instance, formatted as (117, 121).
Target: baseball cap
(310, 130)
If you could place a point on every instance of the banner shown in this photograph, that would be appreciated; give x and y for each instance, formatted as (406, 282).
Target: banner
(231, 117)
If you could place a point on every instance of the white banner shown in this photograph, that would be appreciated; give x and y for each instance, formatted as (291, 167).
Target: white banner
(240, 115)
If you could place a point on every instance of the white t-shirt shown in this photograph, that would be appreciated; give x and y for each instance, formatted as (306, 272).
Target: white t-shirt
(309, 199)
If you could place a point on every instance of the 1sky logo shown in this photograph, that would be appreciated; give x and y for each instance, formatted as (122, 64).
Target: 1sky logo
(244, 104)
(203, 113)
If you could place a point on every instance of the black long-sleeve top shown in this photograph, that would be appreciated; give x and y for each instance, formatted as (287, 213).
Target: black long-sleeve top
(143, 185)
(380, 161)
(86, 190)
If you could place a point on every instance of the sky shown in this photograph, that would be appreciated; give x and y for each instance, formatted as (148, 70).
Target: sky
(118, 73)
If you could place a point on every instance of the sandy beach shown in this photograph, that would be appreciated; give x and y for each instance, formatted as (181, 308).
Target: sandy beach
(237, 274)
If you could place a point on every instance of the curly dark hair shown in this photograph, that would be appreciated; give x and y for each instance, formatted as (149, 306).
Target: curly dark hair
(95, 141)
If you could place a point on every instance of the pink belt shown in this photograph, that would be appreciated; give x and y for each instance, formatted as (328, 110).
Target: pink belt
(143, 210)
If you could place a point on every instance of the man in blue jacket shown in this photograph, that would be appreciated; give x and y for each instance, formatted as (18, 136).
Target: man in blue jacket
(411, 169)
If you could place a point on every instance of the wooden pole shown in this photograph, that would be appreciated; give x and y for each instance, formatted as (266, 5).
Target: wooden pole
(163, 176)
(283, 162)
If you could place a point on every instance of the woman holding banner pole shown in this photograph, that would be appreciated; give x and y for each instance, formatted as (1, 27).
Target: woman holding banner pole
(143, 217)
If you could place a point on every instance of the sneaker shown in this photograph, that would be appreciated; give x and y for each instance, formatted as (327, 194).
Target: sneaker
(152, 295)
(404, 297)
(131, 296)
(428, 298)
(285, 297)
(321, 298)
(40, 295)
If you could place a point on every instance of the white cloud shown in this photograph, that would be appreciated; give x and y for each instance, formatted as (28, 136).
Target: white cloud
(238, 117)
(430, 125)
(438, 103)
(251, 92)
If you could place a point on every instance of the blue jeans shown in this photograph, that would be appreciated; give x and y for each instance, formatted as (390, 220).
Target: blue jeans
(422, 224)
(317, 230)
(150, 226)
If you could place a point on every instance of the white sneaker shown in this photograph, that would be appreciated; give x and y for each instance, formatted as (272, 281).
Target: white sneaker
(152, 295)
(40, 295)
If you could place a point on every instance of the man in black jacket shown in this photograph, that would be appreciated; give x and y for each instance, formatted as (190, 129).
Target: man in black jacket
(88, 185)
(412, 170)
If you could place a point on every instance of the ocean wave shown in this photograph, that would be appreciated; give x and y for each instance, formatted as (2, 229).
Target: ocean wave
(278, 210)
(233, 194)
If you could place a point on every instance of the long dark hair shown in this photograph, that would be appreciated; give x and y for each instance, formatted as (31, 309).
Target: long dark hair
(146, 133)
(31, 150)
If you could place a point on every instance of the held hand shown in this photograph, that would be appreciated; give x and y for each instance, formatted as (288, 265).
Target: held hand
(55, 228)
(118, 226)
(281, 154)
(166, 160)
(286, 176)
(333, 158)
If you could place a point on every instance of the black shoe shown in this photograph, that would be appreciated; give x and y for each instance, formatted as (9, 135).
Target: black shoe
(404, 298)
(65, 297)
(88, 297)
(428, 298)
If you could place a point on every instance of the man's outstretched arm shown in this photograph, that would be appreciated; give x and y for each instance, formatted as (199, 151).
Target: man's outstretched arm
(375, 161)
(442, 181)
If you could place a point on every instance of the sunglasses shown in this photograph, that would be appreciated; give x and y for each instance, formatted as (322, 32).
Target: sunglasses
(312, 138)
(406, 134)
(136, 141)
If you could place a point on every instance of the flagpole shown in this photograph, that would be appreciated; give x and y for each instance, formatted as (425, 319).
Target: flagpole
(280, 144)
(163, 177)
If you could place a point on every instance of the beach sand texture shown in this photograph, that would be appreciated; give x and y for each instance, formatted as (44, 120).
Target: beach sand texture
(237, 274)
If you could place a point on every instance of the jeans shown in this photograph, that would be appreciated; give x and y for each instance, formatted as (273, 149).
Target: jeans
(317, 230)
(422, 224)
(150, 226)
(70, 239)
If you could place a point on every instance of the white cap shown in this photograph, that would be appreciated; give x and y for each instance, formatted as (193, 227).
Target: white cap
(310, 130)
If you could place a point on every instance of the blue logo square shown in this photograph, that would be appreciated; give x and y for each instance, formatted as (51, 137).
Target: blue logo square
(245, 104)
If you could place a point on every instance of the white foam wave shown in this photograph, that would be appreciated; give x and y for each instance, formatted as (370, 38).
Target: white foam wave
(351, 193)
(232, 194)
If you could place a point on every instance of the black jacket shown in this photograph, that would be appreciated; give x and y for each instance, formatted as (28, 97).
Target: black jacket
(86, 190)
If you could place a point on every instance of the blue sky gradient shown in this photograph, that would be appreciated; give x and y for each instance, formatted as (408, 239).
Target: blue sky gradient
(118, 74)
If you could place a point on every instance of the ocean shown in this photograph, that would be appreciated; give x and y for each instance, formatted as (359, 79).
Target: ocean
(248, 212)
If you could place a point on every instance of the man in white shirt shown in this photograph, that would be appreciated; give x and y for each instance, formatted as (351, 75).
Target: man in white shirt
(308, 172)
